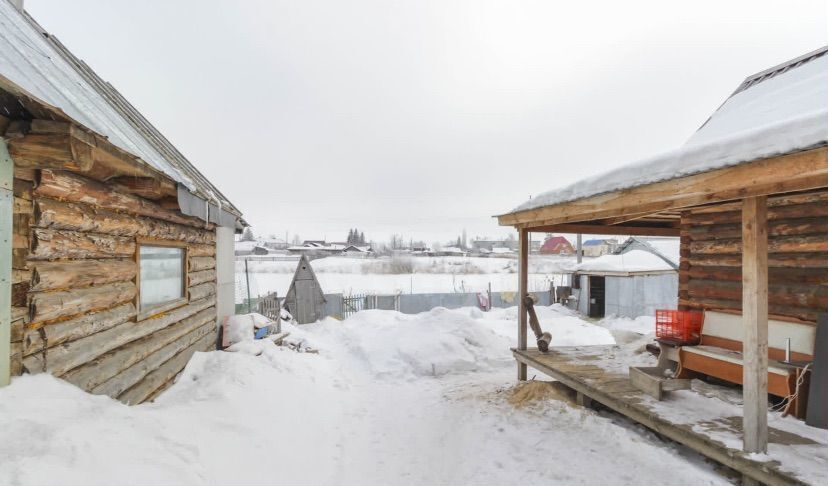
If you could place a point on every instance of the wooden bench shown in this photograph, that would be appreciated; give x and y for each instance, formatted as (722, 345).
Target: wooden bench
(719, 354)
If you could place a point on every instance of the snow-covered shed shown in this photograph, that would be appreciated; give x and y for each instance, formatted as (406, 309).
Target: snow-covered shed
(748, 197)
(117, 253)
(630, 284)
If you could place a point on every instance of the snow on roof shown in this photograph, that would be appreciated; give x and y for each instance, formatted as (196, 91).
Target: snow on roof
(38, 63)
(631, 262)
(501, 250)
(770, 116)
(595, 242)
(668, 247)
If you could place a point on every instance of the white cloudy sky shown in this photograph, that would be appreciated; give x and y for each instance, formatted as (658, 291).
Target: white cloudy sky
(421, 117)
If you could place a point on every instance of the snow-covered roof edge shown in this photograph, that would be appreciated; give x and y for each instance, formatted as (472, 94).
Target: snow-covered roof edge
(41, 66)
(781, 137)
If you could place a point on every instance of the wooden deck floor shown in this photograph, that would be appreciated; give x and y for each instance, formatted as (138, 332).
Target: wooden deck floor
(577, 368)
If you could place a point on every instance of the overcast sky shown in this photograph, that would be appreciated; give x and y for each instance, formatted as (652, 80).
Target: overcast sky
(421, 117)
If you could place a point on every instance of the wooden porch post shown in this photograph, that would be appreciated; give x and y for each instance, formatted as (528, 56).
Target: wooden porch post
(755, 323)
(523, 287)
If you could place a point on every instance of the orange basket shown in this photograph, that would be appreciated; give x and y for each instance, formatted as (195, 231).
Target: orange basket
(679, 327)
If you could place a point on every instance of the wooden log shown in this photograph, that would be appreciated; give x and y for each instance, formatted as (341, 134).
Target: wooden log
(202, 290)
(62, 151)
(781, 244)
(52, 306)
(773, 202)
(791, 294)
(60, 359)
(792, 211)
(198, 264)
(785, 227)
(755, 323)
(35, 340)
(75, 188)
(127, 366)
(80, 273)
(16, 365)
(54, 244)
(161, 389)
(19, 294)
(812, 260)
(25, 174)
(22, 205)
(201, 250)
(147, 187)
(53, 214)
(777, 275)
(523, 287)
(157, 378)
(20, 259)
(22, 188)
(195, 278)
(778, 312)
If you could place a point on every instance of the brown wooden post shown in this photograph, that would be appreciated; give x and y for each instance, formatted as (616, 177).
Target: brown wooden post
(755, 323)
(523, 288)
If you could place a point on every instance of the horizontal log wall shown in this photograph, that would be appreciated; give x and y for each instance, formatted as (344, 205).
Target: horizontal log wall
(711, 251)
(75, 277)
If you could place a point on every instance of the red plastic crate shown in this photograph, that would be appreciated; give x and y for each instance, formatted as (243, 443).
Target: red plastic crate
(680, 327)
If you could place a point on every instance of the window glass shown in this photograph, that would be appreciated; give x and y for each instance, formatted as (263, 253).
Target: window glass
(162, 275)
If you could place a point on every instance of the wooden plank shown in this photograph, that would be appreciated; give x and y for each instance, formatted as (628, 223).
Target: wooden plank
(201, 291)
(523, 287)
(54, 244)
(195, 278)
(51, 306)
(61, 359)
(630, 406)
(60, 215)
(63, 151)
(599, 229)
(755, 321)
(198, 264)
(80, 273)
(801, 171)
(157, 378)
(37, 339)
(74, 188)
(133, 362)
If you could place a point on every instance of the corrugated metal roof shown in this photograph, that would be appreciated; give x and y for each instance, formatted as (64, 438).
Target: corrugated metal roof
(38, 63)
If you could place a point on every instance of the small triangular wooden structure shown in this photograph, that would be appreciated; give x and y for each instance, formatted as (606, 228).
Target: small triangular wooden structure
(304, 299)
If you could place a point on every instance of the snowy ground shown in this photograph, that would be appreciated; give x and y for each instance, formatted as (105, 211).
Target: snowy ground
(406, 275)
(389, 399)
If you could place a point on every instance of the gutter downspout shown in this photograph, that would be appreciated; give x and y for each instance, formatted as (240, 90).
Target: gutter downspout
(6, 209)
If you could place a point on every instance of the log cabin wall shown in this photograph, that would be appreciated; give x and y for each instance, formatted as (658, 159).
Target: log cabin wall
(75, 286)
(711, 259)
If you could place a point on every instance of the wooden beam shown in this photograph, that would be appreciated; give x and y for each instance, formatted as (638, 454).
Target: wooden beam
(755, 322)
(523, 287)
(597, 229)
(795, 172)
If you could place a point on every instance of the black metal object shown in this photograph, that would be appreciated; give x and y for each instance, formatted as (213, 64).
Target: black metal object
(817, 415)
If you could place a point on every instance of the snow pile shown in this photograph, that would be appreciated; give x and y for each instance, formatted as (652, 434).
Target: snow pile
(631, 261)
(435, 343)
(644, 325)
(267, 414)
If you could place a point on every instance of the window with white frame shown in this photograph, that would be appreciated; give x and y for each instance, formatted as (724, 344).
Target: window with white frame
(162, 276)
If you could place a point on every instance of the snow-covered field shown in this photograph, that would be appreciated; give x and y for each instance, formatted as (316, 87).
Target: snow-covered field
(424, 399)
(405, 275)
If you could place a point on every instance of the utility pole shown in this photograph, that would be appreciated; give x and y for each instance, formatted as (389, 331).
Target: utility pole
(579, 251)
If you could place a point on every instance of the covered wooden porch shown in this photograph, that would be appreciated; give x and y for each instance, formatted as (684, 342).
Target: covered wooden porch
(592, 373)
